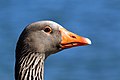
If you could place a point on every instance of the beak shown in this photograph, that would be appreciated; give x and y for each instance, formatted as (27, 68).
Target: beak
(70, 39)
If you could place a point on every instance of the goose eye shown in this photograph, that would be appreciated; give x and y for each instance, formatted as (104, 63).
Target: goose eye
(48, 29)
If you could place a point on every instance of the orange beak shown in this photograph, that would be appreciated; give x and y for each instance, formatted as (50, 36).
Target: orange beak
(70, 39)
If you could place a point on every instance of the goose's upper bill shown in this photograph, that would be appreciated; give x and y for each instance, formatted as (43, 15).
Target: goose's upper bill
(70, 39)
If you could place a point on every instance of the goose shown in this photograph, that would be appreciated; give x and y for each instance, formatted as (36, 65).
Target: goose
(39, 40)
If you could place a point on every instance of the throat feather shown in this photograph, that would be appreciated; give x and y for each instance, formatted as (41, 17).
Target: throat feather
(31, 67)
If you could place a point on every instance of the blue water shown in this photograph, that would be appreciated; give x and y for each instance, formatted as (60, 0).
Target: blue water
(98, 20)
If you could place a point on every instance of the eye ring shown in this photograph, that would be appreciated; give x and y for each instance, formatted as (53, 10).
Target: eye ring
(48, 29)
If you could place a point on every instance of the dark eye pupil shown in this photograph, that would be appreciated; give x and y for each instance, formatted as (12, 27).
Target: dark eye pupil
(47, 29)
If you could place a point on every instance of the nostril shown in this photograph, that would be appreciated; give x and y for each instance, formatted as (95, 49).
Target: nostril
(73, 36)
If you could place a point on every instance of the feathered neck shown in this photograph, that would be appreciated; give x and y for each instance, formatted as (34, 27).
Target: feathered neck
(30, 66)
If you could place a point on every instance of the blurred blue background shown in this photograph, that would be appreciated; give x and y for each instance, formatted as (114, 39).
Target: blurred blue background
(98, 20)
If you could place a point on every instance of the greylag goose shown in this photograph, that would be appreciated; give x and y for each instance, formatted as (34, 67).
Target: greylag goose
(39, 40)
